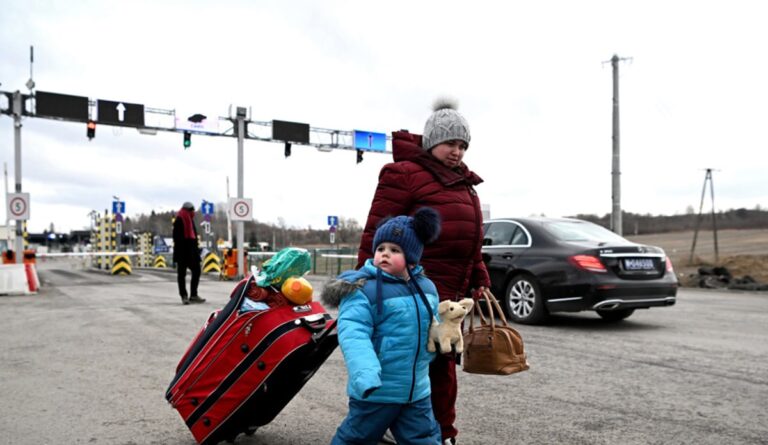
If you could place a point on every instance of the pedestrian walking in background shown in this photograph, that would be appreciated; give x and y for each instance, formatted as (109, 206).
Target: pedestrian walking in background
(385, 311)
(186, 253)
(429, 171)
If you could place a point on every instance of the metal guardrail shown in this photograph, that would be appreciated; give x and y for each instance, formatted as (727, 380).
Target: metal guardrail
(324, 261)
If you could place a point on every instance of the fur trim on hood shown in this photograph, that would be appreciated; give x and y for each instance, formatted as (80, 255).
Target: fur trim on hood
(335, 290)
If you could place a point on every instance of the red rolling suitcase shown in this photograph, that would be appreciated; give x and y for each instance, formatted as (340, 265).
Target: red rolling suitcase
(244, 367)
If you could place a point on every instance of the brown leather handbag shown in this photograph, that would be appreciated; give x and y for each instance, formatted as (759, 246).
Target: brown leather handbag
(491, 348)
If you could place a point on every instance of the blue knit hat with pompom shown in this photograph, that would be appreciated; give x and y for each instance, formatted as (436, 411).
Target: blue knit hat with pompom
(409, 232)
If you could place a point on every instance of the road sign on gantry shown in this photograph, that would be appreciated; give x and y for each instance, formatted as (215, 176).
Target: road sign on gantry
(290, 132)
(241, 209)
(63, 106)
(368, 140)
(18, 206)
(197, 123)
(206, 208)
(118, 207)
(120, 113)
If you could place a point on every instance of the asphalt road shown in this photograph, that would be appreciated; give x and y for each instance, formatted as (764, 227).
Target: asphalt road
(89, 358)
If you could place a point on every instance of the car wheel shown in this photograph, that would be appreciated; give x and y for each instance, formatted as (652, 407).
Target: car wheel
(523, 302)
(615, 315)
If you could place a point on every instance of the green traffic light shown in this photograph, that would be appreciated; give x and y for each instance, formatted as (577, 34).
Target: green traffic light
(187, 139)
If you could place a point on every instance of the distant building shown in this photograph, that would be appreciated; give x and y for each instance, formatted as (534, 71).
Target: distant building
(486, 210)
(7, 237)
(46, 241)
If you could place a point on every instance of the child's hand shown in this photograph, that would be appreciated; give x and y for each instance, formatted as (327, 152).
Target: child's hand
(370, 391)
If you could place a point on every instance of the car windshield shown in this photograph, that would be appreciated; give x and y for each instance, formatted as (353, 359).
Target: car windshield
(581, 231)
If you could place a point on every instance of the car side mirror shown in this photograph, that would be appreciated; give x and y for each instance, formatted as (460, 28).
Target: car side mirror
(487, 241)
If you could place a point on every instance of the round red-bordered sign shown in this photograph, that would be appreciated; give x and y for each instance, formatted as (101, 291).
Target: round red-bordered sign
(241, 209)
(18, 206)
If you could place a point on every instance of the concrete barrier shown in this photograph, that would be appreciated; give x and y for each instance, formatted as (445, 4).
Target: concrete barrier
(160, 262)
(121, 265)
(212, 263)
(18, 279)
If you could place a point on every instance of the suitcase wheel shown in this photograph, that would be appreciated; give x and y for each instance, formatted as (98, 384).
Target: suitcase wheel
(251, 430)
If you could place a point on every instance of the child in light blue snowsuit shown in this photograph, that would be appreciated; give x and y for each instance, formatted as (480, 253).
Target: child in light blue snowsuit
(385, 312)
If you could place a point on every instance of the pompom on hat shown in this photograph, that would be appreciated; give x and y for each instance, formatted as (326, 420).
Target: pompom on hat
(445, 124)
(410, 232)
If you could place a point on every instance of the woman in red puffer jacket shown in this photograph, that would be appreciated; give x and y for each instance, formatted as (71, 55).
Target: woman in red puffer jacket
(428, 172)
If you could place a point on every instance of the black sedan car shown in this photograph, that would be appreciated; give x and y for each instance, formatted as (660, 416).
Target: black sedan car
(543, 265)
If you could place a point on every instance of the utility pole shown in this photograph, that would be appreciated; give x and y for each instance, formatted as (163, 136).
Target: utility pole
(616, 165)
(7, 216)
(241, 112)
(229, 220)
(616, 224)
(17, 110)
(707, 177)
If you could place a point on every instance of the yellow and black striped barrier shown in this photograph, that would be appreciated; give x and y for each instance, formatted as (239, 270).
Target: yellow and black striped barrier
(212, 263)
(160, 262)
(121, 265)
(25, 234)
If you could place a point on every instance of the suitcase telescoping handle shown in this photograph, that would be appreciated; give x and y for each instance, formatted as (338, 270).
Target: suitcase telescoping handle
(314, 323)
(320, 337)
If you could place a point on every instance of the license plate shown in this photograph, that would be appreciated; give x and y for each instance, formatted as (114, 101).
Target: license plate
(639, 264)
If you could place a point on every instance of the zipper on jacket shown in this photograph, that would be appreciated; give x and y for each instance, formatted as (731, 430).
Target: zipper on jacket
(418, 345)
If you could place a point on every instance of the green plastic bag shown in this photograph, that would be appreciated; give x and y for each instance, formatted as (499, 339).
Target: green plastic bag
(289, 262)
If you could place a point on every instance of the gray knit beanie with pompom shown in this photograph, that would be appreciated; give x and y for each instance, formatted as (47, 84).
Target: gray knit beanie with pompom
(445, 124)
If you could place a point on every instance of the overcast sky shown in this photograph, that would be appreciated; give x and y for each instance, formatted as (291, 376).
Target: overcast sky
(530, 77)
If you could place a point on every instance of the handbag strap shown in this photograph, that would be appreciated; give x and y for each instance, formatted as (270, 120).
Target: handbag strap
(490, 321)
(483, 320)
(472, 319)
(491, 302)
(491, 315)
(489, 297)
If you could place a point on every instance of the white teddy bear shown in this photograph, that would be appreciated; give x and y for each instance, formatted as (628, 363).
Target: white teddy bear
(449, 332)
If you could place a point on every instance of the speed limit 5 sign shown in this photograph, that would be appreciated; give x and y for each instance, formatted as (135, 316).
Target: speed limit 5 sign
(241, 209)
(18, 206)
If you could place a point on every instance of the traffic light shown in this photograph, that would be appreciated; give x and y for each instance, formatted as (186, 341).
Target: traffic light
(187, 139)
(359, 156)
(287, 149)
(91, 129)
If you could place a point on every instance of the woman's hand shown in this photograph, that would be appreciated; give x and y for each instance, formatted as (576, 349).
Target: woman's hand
(478, 293)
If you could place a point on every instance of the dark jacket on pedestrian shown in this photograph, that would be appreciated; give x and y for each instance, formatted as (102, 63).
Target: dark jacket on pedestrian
(185, 249)
(417, 179)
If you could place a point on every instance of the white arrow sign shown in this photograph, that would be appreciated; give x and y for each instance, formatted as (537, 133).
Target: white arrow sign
(120, 112)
